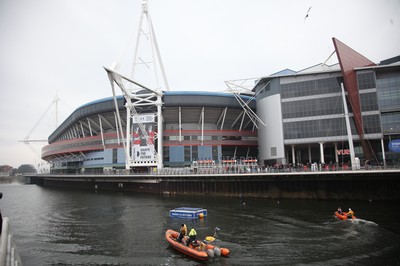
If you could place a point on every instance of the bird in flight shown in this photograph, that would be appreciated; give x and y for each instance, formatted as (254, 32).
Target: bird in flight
(308, 12)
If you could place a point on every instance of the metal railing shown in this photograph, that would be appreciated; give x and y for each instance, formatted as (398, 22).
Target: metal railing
(234, 169)
(8, 251)
(244, 169)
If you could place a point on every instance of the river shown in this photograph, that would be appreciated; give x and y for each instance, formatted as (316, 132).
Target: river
(80, 227)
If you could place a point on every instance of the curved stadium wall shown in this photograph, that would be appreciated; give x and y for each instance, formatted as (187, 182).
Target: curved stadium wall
(87, 141)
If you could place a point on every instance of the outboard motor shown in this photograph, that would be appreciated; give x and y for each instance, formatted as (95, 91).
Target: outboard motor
(217, 251)
(210, 253)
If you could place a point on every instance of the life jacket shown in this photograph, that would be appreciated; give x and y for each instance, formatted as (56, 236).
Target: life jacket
(192, 232)
(184, 229)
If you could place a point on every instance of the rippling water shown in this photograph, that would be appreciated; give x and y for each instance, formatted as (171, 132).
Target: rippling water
(80, 227)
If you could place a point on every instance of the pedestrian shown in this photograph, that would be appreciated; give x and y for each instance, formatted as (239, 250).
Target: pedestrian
(367, 164)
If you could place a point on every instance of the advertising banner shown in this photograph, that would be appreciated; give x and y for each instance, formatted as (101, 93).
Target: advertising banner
(143, 137)
(394, 145)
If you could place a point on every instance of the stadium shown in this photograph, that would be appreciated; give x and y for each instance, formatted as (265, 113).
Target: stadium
(336, 116)
(205, 127)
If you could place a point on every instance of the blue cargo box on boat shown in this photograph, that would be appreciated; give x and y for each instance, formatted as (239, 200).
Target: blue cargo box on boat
(187, 212)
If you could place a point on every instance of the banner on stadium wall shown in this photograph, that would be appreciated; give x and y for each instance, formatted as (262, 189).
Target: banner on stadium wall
(143, 137)
(394, 145)
(143, 118)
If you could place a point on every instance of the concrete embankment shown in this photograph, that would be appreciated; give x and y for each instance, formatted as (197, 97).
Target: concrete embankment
(352, 185)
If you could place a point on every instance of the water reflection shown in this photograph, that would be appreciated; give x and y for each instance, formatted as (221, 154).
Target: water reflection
(12, 180)
(60, 226)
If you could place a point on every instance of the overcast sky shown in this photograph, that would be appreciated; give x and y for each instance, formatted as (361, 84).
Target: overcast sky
(59, 47)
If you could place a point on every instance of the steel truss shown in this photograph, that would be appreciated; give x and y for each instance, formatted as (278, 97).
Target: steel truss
(245, 86)
(139, 96)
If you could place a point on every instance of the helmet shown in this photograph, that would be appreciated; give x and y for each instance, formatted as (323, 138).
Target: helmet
(349, 209)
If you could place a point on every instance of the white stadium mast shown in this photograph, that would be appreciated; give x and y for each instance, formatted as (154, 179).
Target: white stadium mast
(27, 140)
(138, 96)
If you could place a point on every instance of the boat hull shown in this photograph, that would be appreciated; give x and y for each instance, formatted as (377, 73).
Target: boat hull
(344, 216)
(171, 237)
(193, 252)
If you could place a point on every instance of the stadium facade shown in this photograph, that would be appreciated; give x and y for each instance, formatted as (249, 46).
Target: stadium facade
(201, 127)
(303, 114)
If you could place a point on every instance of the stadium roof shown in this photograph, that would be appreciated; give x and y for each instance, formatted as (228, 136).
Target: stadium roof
(194, 102)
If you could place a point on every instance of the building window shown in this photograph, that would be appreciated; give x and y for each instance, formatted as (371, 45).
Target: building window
(371, 124)
(187, 153)
(115, 156)
(366, 80)
(391, 123)
(316, 128)
(312, 107)
(166, 154)
(388, 91)
(310, 87)
(273, 151)
(215, 153)
(369, 102)
(195, 153)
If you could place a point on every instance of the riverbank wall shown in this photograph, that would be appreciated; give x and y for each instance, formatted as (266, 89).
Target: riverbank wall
(351, 185)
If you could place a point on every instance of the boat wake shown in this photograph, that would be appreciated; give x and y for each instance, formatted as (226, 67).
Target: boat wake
(362, 221)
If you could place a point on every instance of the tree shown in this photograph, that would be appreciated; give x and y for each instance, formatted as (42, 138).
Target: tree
(5, 169)
(26, 169)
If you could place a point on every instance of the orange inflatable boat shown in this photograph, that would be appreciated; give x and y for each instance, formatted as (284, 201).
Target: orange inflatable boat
(203, 251)
(344, 216)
